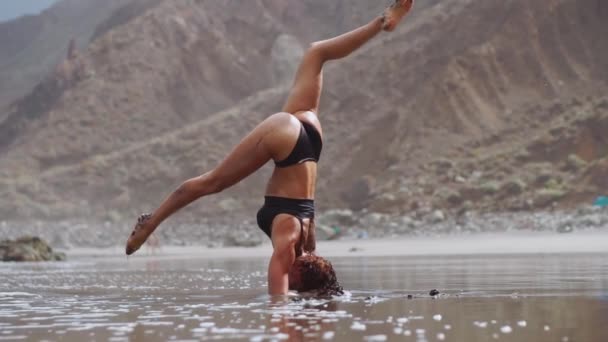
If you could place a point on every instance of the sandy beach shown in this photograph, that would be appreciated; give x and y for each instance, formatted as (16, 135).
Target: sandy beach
(478, 244)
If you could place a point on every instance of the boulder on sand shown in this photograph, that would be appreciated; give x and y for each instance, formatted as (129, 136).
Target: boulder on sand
(28, 248)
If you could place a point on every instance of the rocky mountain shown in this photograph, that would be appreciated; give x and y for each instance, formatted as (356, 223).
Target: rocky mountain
(489, 105)
(33, 45)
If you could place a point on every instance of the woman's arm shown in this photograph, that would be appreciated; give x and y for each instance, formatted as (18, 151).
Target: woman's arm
(278, 272)
(285, 237)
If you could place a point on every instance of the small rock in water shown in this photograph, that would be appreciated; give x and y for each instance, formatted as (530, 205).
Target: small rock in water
(506, 329)
(434, 292)
(410, 296)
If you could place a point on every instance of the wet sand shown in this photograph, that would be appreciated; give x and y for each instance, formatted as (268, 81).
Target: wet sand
(514, 288)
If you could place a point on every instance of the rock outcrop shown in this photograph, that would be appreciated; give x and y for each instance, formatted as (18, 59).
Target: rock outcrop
(28, 249)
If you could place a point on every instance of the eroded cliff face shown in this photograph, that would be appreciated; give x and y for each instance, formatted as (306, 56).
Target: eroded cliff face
(464, 106)
(33, 45)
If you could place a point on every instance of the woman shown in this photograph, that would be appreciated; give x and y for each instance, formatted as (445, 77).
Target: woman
(293, 140)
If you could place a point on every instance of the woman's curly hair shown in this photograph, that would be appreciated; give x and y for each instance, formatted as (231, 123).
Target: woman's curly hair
(316, 274)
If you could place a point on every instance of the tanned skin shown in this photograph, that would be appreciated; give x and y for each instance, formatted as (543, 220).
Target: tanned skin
(274, 139)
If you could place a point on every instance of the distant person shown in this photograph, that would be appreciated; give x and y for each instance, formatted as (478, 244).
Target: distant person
(293, 140)
(153, 244)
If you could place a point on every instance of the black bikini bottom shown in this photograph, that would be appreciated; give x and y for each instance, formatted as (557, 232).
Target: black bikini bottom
(273, 206)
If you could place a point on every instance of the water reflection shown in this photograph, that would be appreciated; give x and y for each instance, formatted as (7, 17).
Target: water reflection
(512, 298)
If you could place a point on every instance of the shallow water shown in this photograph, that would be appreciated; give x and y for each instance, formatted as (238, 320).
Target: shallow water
(507, 298)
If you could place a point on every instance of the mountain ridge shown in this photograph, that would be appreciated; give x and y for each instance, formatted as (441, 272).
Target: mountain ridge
(434, 105)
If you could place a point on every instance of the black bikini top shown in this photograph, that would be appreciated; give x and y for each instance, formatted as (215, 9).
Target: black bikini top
(308, 147)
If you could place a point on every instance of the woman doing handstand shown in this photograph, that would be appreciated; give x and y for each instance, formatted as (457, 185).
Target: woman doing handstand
(293, 140)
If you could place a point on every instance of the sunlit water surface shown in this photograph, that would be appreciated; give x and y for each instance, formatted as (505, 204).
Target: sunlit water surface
(483, 298)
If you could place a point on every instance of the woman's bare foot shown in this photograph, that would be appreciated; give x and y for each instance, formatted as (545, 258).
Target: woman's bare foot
(140, 234)
(393, 15)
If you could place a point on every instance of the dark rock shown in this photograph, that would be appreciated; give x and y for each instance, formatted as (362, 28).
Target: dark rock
(433, 292)
(442, 165)
(514, 187)
(454, 198)
(28, 249)
(409, 296)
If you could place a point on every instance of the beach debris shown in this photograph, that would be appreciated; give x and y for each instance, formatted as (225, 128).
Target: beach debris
(437, 317)
(601, 201)
(506, 329)
(522, 323)
(447, 327)
(440, 336)
(407, 333)
(546, 328)
(433, 293)
(398, 330)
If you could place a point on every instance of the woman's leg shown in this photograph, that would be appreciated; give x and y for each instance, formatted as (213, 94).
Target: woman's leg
(265, 142)
(306, 89)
